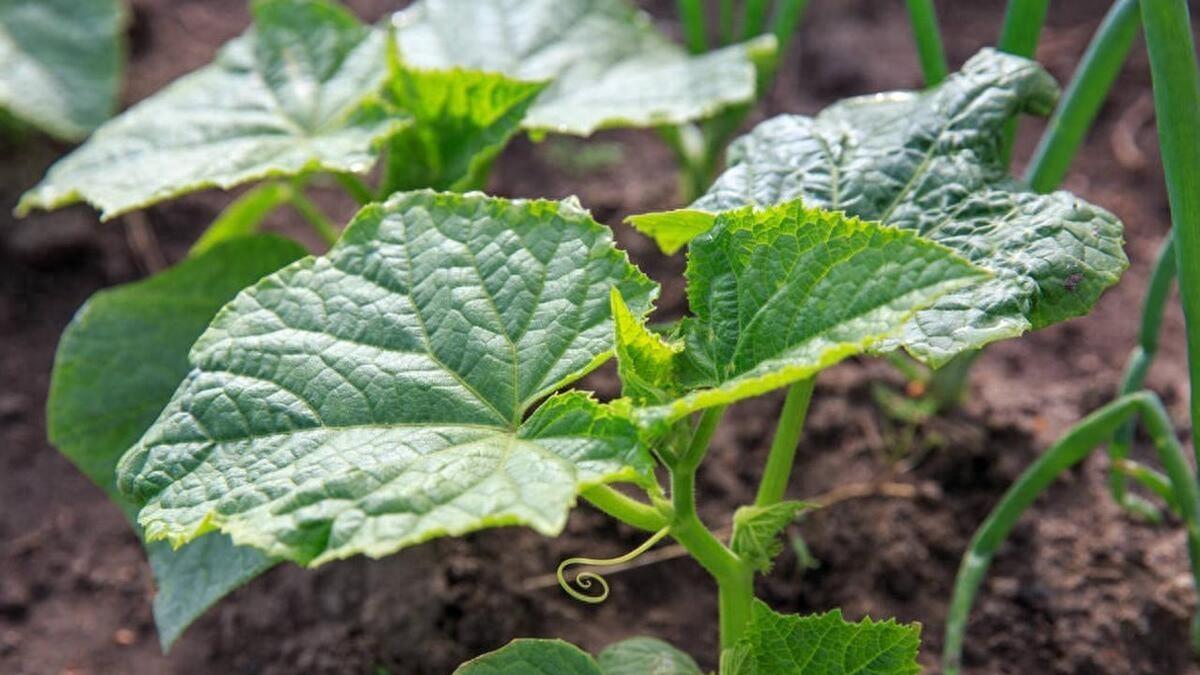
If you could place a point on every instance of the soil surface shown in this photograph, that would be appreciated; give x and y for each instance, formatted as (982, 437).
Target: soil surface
(1079, 588)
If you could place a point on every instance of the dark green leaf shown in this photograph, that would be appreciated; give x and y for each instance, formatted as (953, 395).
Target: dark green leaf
(533, 657)
(933, 162)
(117, 365)
(376, 397)
(823, 644)
(607, 65)
(294, 94)
(60, 62)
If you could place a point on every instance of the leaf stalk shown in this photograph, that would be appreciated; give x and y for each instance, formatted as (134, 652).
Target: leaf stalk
(782, 455)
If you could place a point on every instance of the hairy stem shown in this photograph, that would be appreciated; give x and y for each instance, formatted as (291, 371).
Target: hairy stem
(783, 448)
(1093, 79)
(625, 509)
(1177, 109)
(1071, 449)
(923, 17)
(1140, 358)
(948, 384)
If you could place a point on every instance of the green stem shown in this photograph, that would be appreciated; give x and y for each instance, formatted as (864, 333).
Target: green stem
(1071, 449)
(948, 384)
(625, 509)
(1023, 21)
(313, 215)
(1089, 87)
(787, 18)
(1140, 359)
(725, 21)
(1177, 109)
(754, 18)
(691, 14)
(693, 154)
(783, 448)
(355, 187)
(928, 36)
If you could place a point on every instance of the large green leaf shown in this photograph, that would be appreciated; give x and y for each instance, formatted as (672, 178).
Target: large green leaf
(294, 94)
(60, 62)
(607, 65)
(933, 162)
(533, 657)
(822, 644)
(461, 121)
(782, 293)
(646, 656)
(117, 365)
(377, 396)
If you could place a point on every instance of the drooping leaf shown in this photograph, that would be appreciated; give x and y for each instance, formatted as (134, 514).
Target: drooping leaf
(118, 364)
(294, 94)
(645, 362)
(823, 644)
(607, 65)
(932, 162)
(533, 657)
(756, 531)
(780, 294)
(646, 656)
(60, 62)
(376, 397)
(461, 121)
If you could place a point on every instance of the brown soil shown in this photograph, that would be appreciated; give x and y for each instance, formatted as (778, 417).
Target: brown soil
(1080, 588)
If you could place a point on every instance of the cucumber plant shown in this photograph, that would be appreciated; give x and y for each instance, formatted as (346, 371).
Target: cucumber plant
(310, 93)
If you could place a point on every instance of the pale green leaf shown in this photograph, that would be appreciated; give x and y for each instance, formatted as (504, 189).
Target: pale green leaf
(117, 365)
(377, 396)
(645, 362)
(933, 162)
(243, 215)
(672, 230)
(461, 121)
(294, 94)
(646, 656)
(823, 644)
(60, 62)
(607, 65)
(533, 657)
(778, 295)
(756, 531)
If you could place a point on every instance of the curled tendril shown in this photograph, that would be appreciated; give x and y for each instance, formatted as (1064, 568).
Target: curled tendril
(584, 580)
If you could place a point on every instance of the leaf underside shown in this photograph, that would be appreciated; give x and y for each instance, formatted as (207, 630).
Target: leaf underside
(60, 63)
(607, 65)
(288, 97)
(533, 657)
(933, 163)
(778, 295)
(379, 396)
(117, 365)
(823, 644)
(645, 656)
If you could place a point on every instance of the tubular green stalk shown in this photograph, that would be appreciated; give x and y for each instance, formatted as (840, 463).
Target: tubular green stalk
(754, 18)
(787, 18)
(691, 14)
(1089, 87)
(625, 509)
(320, 224)
(725, 21)
(1177, 109)
(1094, 430)
(1135, 374)
(1023, 22)
(923, 18)
(783, 447)
(355, 187)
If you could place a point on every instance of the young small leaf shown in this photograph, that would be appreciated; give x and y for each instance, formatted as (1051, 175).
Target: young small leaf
(646, 656)
(645, 362)
(293, 94)
(461, 120)
(780, 294)
(533, 657)
(823, 644)
(376, 397)
(118, 363)
(607, 65)
(756, 531)
(60, 63)
(933, 162)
